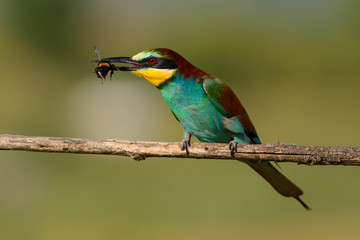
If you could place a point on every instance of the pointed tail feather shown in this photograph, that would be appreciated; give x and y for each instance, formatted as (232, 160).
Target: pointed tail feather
(303, 204)
(281, 184)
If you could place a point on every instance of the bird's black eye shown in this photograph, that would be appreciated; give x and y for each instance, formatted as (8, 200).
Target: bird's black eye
(151, 60)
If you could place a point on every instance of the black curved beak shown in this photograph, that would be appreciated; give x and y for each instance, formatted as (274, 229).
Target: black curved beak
(128, 60)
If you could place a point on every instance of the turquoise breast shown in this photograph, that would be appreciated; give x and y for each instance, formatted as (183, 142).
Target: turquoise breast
(189, 102)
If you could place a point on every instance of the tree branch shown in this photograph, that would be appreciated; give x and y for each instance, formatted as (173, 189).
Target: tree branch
(139, 150)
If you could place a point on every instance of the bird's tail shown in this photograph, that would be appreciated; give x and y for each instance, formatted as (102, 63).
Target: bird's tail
(281, 184)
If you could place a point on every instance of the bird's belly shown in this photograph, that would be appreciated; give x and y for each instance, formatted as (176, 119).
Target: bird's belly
(205, 123)
(199, 117)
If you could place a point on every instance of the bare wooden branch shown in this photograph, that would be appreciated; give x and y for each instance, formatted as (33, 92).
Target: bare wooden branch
(139, 150)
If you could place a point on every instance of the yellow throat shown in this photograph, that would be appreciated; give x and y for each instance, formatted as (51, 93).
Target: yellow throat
(155, 76)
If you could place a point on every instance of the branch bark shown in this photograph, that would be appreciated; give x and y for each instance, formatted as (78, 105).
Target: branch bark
(139, 150)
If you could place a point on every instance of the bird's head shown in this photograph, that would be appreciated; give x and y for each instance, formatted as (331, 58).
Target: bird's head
(157, 65)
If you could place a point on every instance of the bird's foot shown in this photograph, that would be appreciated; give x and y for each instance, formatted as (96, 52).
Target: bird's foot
(233, 147)
(185, 144)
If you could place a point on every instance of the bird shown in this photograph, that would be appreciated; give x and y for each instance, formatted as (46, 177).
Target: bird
(206, 107)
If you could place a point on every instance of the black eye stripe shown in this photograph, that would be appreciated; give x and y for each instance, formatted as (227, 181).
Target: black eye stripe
(161, 63)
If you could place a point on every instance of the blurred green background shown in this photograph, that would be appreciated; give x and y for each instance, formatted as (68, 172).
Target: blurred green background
(293, 64)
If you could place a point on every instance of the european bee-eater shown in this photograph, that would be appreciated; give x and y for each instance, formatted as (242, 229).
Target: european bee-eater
(205, 106)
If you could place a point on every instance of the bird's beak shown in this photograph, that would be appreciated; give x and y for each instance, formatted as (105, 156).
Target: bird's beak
(135, 65)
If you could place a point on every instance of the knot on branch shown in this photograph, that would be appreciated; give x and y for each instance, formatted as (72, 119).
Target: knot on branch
(137, 157)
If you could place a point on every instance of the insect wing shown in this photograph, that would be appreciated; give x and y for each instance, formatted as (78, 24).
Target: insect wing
(98, 52)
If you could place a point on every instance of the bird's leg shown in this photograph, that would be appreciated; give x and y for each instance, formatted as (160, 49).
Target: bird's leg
(185, 143)
(233, 147)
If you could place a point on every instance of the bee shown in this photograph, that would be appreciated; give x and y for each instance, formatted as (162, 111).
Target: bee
(103, 66)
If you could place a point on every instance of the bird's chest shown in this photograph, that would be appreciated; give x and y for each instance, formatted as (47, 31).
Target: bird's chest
(189, 102)
(186, 96)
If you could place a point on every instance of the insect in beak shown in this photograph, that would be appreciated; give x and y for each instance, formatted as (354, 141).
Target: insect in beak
(103, 66)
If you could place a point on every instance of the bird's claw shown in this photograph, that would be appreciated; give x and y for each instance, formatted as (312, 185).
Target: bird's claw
(185, 144)
(233, 147)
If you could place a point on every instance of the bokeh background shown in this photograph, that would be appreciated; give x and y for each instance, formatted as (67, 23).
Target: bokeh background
(293, 64)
